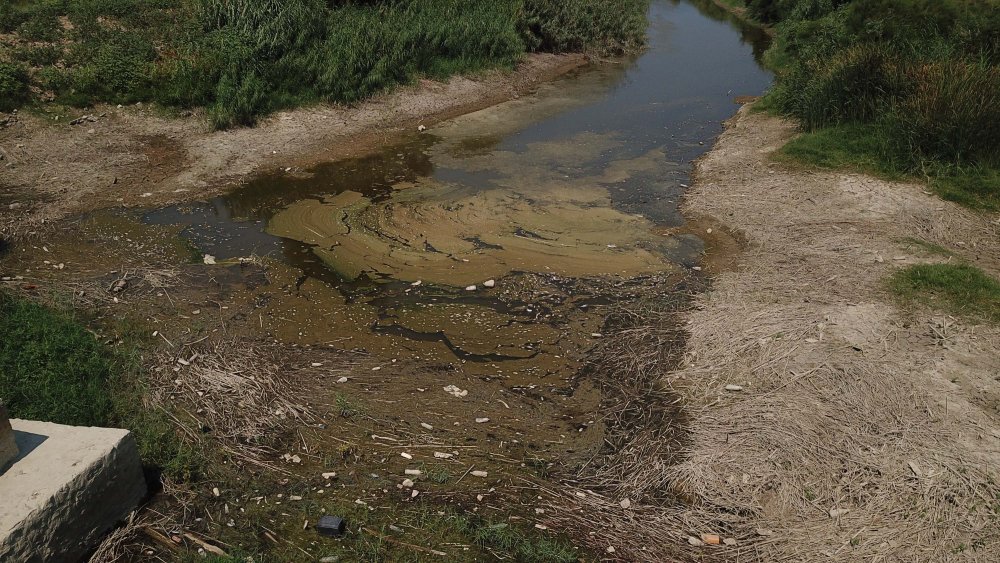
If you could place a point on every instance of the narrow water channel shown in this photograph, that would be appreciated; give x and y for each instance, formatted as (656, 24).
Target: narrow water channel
(552, 206)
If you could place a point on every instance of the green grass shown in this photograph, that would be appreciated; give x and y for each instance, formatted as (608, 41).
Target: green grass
(957, 289)
(242, 59)
(53, 368)
(867, 148)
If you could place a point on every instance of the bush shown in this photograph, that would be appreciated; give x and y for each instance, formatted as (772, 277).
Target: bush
(13, 86)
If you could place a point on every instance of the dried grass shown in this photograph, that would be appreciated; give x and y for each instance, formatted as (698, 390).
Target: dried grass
(845, 405)
(249, 396)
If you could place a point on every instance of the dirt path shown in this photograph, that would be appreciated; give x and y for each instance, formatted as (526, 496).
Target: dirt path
(135, 156)
(862, 432)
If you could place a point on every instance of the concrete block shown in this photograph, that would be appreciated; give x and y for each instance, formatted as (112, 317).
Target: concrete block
(68, 486)
(8, 446)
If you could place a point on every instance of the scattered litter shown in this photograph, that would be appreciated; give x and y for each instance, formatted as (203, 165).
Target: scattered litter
(342, 379)
(412, 472)
(695, 541)
(763, 532)
(454, 390)
(443, 455)
(329, 475)
(729, 541)
(482, 420)
(838, 512)
(416, 283)
(421, 128)
(406, 455)
(317, 364)
(915, 468)
(209, 259)
(426, 426)
(733, 387)
(710, 539)
(480, 474)
(331, 526)
(215, 491)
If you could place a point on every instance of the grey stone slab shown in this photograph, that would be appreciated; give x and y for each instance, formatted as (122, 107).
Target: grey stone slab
(8, 445)
(67, 487)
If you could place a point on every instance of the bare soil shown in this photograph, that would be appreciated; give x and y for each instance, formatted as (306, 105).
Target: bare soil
(138, 156)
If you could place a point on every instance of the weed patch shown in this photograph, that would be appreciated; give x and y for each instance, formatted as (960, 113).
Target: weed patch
(958, 289)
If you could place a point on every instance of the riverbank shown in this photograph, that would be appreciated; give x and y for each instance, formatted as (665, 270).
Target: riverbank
(139, 156)
(826, 420)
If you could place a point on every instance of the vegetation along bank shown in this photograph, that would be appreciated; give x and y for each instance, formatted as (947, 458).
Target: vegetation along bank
(900, 88)
(245, 58)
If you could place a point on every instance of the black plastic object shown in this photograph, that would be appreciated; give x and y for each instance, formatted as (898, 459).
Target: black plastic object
(331, 526)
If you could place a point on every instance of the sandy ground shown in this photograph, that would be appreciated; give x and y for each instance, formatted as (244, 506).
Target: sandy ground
(136, 156)
(862, 431)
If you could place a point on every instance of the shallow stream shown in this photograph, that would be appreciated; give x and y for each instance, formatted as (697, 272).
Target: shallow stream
(552, 205)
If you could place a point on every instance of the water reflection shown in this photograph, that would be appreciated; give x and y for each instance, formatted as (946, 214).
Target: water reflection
(613, 141)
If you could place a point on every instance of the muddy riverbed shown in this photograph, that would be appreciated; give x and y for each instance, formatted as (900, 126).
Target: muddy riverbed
(484, 255)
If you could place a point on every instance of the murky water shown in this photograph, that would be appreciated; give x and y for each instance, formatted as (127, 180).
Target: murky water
(565, 199)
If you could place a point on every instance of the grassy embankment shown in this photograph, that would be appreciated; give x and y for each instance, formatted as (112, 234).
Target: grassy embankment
(901, 88)
(244, 58)
(904, 89)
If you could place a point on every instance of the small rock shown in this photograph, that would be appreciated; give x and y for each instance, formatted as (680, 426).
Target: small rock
(625, 503)
(763, 532)
(317, 364)
(838, 512)
(215, 491)
(416, 283)
(611, 549)
(421, 128)
(733, 387)
(329, 475)
(408, 483)
(329, 559)
(406, 455)
(729, 541)
(915, 468)
(482, 420)
(695, 541)
(342, 379)
(470, 288)
(454, 390)
(489, 283)
(294, 497)
(480, 474)
(414, 493)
